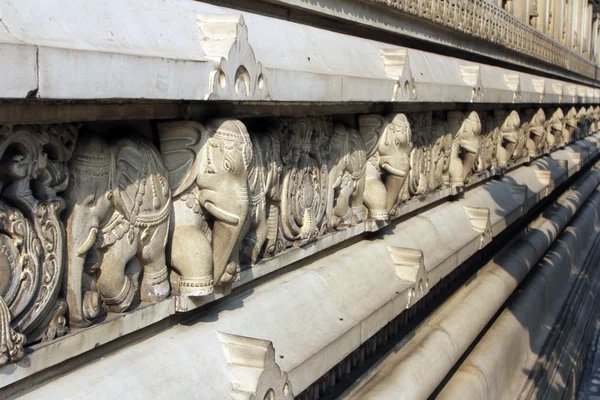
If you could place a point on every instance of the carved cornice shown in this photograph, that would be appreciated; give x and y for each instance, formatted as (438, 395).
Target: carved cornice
(486, 21)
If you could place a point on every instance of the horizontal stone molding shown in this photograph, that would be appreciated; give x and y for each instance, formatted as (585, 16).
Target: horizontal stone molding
(215, 53)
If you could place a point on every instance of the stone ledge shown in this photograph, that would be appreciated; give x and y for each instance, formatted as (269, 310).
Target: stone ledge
(116, 59)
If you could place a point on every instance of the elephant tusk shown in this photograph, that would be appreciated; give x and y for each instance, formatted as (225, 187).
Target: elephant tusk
(222, 214)
(393, 171)
(89, 242)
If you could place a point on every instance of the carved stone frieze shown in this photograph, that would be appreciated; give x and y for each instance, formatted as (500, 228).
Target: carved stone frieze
(216, 197)
(32, 237)
(118, 210)
(388, 140)
(494, 25)
(208, 175)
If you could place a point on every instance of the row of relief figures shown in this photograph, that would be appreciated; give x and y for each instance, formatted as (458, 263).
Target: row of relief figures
(91, 223)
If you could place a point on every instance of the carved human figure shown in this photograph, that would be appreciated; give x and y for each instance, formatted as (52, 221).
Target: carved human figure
(466, 131)
(347, 164)
(208, 175)
(440, 154)
(388, 142)
(118, 208)
(264, 180)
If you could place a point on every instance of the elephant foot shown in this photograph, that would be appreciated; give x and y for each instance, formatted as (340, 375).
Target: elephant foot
(122, 301)
(155, 286)
(379, 215)
(231, 270)
(92, 305)
(195, 287)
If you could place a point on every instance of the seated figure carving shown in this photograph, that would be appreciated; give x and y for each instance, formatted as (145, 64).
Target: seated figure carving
(388, 142)
(208, 176)
(118, 208)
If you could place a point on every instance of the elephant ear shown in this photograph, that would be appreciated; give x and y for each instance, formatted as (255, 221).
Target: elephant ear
(371, 127)
(139, 180)
(180, 145)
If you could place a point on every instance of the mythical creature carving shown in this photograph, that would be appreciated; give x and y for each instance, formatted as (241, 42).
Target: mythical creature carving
(208, 175)
(466, 131)
(305, 178)
(118, 208)
(388, 141)
(32, 238)
(347, 164)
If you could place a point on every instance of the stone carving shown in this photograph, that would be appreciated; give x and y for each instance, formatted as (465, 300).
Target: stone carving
(264, 176)
(582, 129)
(510, 139)
(420, 155)
(440, 154)
(570, 125)
(305, 178)
(237, 74)
(388, 141)
(32, 238)
(254, 373)
(555, 129)
(466, 131)
(118, 208)
(480, 220)
(495, 26)
(208, 175)
(536, 132)
(347, 176)
(489, 157)
(410, 268)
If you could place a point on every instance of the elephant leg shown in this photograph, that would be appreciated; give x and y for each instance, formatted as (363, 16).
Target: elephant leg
(468, 164)
(261, 230)
(456, 169)
(116, 288)
(356, 201)
(375, 199)
(155, 283)
(191, 256)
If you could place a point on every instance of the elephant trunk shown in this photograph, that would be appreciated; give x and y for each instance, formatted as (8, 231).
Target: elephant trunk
(81, 237)
(393, 186)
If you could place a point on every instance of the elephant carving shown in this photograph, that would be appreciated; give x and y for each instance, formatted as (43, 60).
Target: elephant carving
(208, 175)
(511, 140)
(118, 209)
(555, 129)
(536, 132)
(389, 143)
(264, 180)
(466, 132)
(347, 164)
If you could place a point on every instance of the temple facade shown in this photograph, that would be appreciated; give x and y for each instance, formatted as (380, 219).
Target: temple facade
(277, 199)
